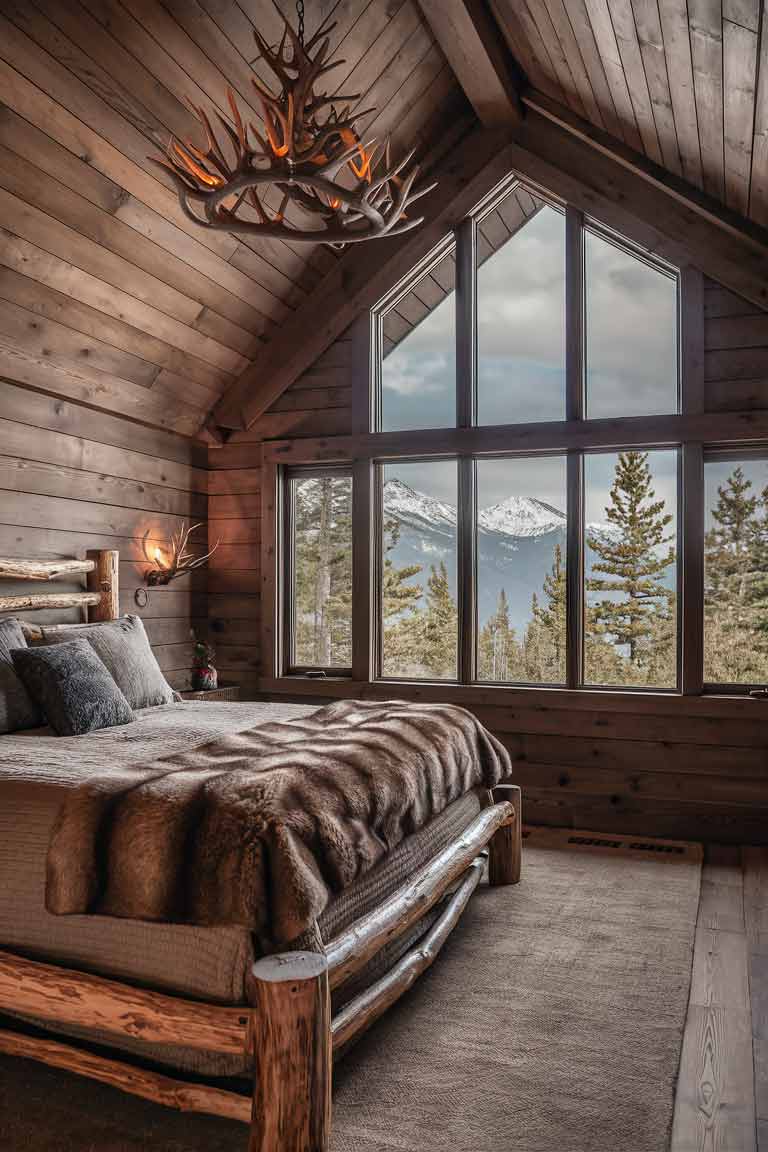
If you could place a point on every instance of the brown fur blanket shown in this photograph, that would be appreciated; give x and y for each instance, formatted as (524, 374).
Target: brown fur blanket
(262, 828)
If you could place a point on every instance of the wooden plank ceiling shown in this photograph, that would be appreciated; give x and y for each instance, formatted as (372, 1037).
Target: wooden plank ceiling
(683, 82)
(108, 294)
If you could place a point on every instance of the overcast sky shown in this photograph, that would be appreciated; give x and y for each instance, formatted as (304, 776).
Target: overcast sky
(631, 341)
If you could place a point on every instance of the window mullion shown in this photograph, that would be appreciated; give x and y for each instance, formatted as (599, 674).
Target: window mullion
(466, 323)
(574, 314)
(574, 572)
(466, 532)
(364, 527)
(466, 374)
(690, 612)
(574, 407)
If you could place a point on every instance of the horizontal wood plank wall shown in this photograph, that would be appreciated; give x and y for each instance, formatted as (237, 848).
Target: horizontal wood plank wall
(73, 479)
(736, 352)
(681, 767)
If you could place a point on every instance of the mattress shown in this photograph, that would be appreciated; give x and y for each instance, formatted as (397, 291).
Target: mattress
(35, 769)
(206, 963)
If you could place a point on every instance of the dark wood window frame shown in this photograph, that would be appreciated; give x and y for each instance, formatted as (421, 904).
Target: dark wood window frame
(286, 632)
(691, 430)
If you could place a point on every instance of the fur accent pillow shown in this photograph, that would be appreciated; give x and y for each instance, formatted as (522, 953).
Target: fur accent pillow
(72, 687)
(17, 710)
(124, 648)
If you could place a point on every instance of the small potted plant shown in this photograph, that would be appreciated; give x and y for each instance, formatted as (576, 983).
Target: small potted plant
(205, 678)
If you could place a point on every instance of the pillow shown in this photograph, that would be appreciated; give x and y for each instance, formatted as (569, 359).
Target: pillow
(16, 709)
(124, 648)
(72, 687)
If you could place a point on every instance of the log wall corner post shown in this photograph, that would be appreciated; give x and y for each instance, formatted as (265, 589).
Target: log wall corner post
(292, 1053)
(506, 846)
(104, 580)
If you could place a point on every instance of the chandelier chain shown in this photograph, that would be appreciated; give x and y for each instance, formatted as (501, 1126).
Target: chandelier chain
(300, 15)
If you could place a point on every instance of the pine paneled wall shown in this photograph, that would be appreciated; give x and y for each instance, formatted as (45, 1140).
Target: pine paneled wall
(73, 479)
(671, 766)
(736, 352)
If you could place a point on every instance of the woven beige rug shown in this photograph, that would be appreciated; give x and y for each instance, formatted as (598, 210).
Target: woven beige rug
(552, 1022)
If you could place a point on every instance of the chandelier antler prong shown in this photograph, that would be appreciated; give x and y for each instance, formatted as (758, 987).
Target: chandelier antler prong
(308, 146)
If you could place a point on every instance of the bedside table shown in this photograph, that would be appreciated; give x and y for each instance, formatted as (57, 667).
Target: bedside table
(229, 692)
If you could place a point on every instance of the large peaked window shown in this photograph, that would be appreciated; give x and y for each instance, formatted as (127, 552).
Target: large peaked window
(488, 553)
(540, 498)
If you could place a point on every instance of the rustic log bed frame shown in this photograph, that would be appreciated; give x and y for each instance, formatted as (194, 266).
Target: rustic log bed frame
(288, 1034)
(286, 1029)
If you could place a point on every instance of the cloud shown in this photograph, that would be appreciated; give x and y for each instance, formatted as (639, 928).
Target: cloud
(631, 339)
(408, 375)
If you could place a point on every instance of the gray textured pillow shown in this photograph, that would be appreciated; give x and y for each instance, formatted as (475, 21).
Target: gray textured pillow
(124, 648)
(72, 687)
(16, 709)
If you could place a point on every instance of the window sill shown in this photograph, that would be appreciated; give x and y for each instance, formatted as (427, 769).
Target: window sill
(524, 698)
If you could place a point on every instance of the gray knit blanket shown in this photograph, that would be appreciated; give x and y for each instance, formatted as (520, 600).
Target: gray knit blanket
(262, 828)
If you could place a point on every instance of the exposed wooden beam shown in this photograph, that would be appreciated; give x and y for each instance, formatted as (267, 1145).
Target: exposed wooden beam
(360, 278)
(470, 39)
(713, 428)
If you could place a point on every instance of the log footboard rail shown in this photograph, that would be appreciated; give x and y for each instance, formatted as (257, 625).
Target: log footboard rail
(286, 1030)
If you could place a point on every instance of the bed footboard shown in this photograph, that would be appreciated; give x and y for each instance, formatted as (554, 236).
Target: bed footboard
(291, 993)
(288, 1033)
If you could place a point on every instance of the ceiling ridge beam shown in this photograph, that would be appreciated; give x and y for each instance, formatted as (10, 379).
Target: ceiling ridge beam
(473, 46)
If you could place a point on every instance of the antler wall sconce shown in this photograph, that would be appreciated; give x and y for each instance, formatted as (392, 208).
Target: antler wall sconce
(307, 154)
(175, 560)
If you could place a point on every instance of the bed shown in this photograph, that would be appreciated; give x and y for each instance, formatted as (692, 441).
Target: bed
(188, 1015)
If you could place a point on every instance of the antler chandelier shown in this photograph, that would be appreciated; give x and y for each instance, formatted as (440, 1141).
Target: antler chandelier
(309, 150)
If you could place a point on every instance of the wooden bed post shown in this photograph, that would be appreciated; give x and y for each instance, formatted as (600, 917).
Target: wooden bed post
(291, 1046)
(506, 845)
(104, 580)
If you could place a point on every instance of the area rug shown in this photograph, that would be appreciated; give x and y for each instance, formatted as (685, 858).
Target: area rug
(552, 1020)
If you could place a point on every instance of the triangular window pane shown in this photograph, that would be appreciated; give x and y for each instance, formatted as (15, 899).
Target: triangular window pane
(418, 346)
(521, 311)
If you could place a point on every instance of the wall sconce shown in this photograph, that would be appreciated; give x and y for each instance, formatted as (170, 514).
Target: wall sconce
(173, 560)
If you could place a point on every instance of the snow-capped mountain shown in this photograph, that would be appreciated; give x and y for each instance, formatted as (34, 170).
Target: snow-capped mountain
(410, 507)
(521, 516)
(516, 542)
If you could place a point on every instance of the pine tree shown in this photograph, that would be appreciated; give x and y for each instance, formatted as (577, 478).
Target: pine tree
(397, 595)
(498, 656)
(759, 577)
(730, 543)
(440, 632)
(735, 610)
(550, 619)
(636, 614)
(323, 573)
(402, 617)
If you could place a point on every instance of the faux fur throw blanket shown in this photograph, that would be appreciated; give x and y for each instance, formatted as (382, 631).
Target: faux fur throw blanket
(264, 827)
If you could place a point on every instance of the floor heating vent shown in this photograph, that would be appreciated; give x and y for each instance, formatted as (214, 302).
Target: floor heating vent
(637, 846)
(673, 849)
(595, 842)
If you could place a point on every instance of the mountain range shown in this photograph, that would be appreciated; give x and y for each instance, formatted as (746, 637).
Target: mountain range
(516, 545)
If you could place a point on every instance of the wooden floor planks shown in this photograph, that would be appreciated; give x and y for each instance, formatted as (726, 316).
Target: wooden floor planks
(722, 1094)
